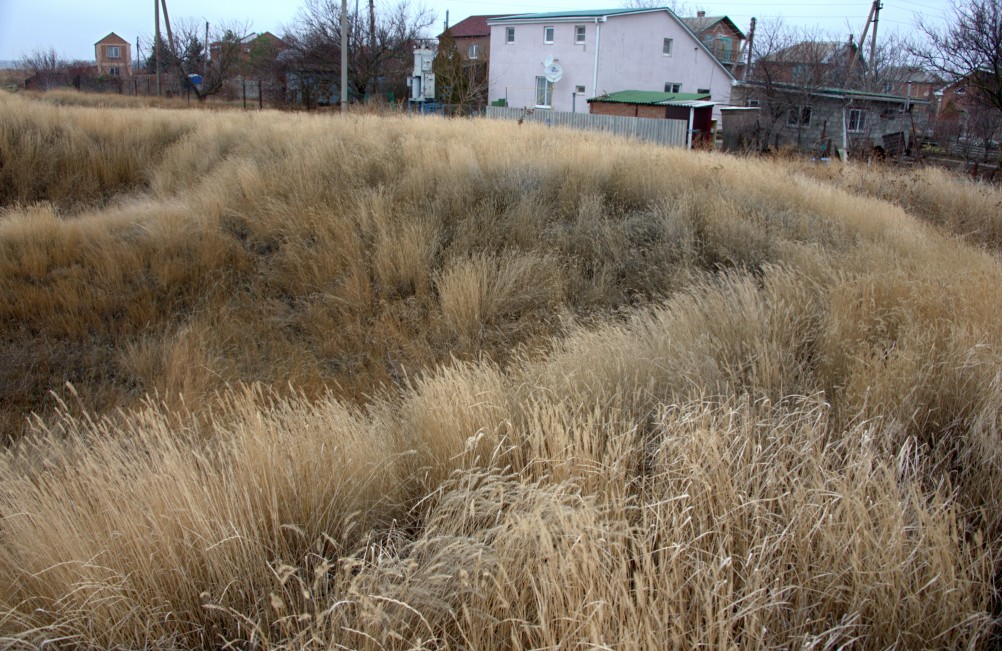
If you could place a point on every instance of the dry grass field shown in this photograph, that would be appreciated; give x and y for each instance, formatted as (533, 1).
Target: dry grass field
(282, 381)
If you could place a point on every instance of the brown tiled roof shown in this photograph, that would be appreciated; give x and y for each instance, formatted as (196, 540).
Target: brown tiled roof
(473, 26)
(701, 23)
(112, 38)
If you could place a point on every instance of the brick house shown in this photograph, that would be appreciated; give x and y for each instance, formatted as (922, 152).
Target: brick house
(720, 35)
(113, 55)
(813, 63)
(473, 37)
(250, 51)
(600, 52)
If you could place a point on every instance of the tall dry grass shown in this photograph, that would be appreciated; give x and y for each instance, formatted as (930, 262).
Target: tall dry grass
(457, 384)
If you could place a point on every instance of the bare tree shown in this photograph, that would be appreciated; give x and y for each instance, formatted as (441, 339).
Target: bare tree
(216, 55)
(380, 42)
(461, 82)
(47, 68)
(968, 52)
(789, 66)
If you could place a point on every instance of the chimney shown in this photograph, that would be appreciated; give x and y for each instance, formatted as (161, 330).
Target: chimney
(700, 14)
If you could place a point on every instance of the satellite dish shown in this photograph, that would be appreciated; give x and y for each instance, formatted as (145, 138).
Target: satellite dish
(547, 61)
(554, 72)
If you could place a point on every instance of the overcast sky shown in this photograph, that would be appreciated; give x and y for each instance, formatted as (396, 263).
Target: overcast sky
(73, 26)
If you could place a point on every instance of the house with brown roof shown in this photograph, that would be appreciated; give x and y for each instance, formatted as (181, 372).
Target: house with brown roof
(720, 36)
(113, 55)
(473, 37)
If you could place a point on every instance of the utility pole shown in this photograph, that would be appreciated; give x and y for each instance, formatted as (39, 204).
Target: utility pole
(874, 9)
(344, 56)
(751, 42)
(873, 42)
(156, 45)
(205, 55)
(372, 27)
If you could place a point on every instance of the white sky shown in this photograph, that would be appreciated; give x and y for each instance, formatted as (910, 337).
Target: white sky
(73, 26)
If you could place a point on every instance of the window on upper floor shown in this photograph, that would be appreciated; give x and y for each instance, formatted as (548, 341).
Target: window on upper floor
(473, 52)
(724, 46)
(667, 47)
(509, 35)
(672, 87)
(114, 52)
(580, 32)
(548, 34)
(579, 90)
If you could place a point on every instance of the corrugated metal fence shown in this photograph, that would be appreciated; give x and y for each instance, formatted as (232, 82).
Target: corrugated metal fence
(671, 133)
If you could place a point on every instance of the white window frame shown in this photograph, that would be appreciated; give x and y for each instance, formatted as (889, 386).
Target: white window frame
(795, 116)
(580, 34)
(113, 51)
(114, 70)
(860, 120)
(473, 52)
(673, 87)
(546, 86)
(549, 33)
(509, 35)
(668, 46)
(753, 103)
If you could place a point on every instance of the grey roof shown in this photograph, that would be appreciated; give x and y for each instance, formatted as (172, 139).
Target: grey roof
(822, 52)
(910, 73)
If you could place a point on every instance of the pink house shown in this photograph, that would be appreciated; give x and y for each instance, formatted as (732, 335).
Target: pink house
(599, 52)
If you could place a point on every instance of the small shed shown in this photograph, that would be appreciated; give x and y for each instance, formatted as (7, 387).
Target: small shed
(695, 108)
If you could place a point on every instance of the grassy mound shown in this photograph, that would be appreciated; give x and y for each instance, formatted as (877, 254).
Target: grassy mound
(415, 383)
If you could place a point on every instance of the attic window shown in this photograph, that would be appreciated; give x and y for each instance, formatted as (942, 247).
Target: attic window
(724, 47)
(509, 35)
(114, 52)
(666, 48)
(548, 34)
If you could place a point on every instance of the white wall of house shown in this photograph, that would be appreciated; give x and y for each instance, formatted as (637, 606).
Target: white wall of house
(630, 53)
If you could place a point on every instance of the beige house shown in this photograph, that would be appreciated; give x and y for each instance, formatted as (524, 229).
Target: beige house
(114, 56)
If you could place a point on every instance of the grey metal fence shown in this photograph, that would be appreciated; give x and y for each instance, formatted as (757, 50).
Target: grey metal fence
(671, 133)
